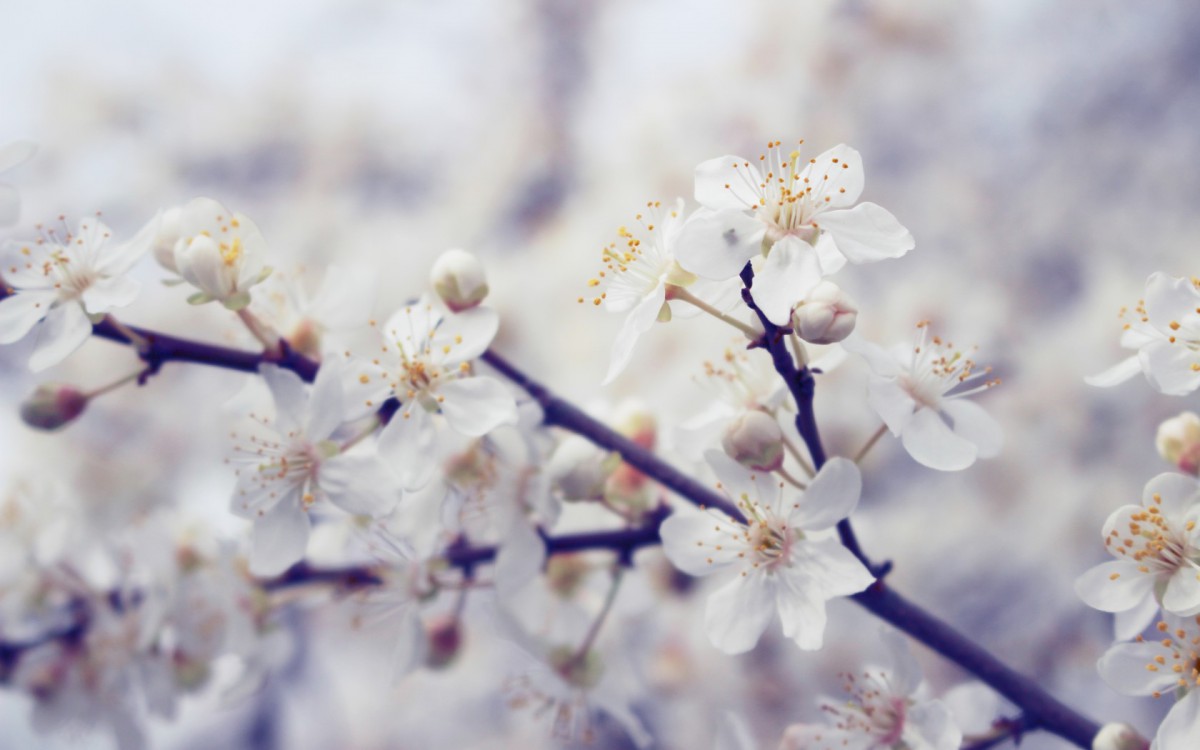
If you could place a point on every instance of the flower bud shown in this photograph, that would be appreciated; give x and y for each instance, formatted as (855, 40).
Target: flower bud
(1119, 737)
(1178, 441)
(444, 640)
(458, 278)
(755, 441)
(579, 469)
(168, 229)
(826, 316)
(53, 406)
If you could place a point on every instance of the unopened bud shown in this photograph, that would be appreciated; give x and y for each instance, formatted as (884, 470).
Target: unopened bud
(565, 574)
(168, 229)
(1178, 442)
(53, 406)
(755, 441)
(444, 639)
(826, 316)
(458, 278)
(1119, 737)
(579, 469)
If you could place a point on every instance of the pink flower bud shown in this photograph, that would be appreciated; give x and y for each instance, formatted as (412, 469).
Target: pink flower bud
(1119, 737)
(1178, 441)
(53, 406)
(826, 316)
(755, 441)
(458, 278)
(444, 638)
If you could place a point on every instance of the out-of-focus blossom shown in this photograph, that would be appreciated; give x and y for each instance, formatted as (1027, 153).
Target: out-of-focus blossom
(218, 251)
(1119, 737)
(459, 280)
(53, 406)
(579, 469)
(803, 215)
(783, 558)
(397, 603)
(288, 465)
(12, 156)
(1165, 665)
(64, 282)
(313, 325)
(1178, 441)
(919, 392)
(1166, 334)
(1157, 546)
(425, 362)
(885, 711)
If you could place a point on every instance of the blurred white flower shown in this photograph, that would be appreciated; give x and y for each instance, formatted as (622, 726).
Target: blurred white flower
(1168, 665)
(425, 362)
(1178, 441)
(407, 583)
(12, 156)
(289, 464)
(885, 711)
(219, 252)
(919, 392)
(802, 214)
(1157, 546)
(783, 558)
(313, 324)
(1166, 335)
(66, 282)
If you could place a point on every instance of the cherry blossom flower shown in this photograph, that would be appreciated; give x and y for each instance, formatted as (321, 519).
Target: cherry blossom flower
(425, 362)
(218, 251)
(1157, 550)
(1165, 665)
(919, 392)
(289, 464)
(784, 557)
(63, 283)
(885, 712)
(406, 586)
(1178, 442)
(801, 215)
(1166, 335)
(315, 324)
(641, 275)
(12, 156)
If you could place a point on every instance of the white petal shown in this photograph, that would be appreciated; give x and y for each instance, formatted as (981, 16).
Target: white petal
(828, 255)
(405, 445)
(410, 647)
(359, 484)
(867, 233)
(930, 725)
(736, 480)
(20, 312)
(326, 408)
(831, 496)
(1168, 367)
(289, 394)
(1130, 623)
(838, 175)
(1124, 668)
(733, 734)
(880, 360)
(638, 321)
(1182, 596)
(1117, 374)
(974, 424)
(120, 257)
(467, 334)
(737, 613)
(720, 185)
(1181, 726)
(346, 297)
(789, 273)
(690, 540)
(476, 406)
(63, 331)
(1100, 590)
(822, 737)
(831, 566)
(280, 538)
(802, 610)
(894, 405)
(717, 244)
(16, 153)
(110, 293)
(1173, 494)
(906, 673)
(932, 443)
(518, 561)
(1170, 299)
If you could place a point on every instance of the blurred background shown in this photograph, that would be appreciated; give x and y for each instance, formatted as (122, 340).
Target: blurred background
(1042, 154)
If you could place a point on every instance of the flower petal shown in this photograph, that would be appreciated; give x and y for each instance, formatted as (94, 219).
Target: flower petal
(519, 560)
(638, 321)
(1173, 494)
(802, 610)
(467, 335)
(280, 538)
(972, 423)
(1181, 726)
(63, 331)
(867, 233)
(690, 541)
(359, 484)
(832, 567)
(737, 613)
(790, 271)
(20, 312)
(894, 405)
(16, 153)
(1117, 374)
(831, 496)
(838, 175)
(1099, 589)
(476, 406)
(326, 408)
(109, 293)
(728, 183)
(932, 443)
(1182, 596)
(1125, 668)
(405, 445)
(717, 244)
(289, 394)
(1168, 367)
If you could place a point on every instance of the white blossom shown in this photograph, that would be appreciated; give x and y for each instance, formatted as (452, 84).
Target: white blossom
(919, 391)
(12, 156)
(62, 284)
(783, 558)
(802, 215)
(218, 251)
(1178, 441)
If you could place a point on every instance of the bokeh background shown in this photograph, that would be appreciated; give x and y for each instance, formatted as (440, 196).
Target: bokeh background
(1042, 153)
